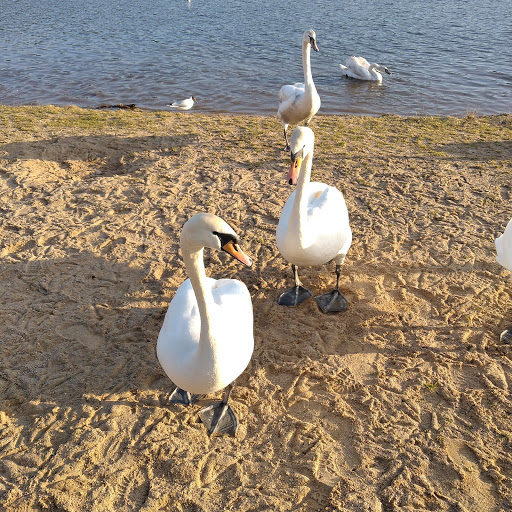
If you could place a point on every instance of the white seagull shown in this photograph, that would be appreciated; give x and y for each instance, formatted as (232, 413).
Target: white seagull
(184, 104)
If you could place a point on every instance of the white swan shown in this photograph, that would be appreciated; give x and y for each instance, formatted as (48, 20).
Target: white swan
(184, 104)
(300, 102)
(206, 340)
(314, 225)
(504, 258)
(360, 68)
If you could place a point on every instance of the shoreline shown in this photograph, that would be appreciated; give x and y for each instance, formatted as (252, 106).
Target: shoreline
(401, 403)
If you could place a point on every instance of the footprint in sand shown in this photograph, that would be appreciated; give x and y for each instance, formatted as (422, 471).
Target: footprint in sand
(81, 333)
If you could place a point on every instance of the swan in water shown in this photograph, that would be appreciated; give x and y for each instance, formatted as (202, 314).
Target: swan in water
(300, 102)
(360, 68)
(314, 225)
(504, 258)
(206, 340)
(184, 104)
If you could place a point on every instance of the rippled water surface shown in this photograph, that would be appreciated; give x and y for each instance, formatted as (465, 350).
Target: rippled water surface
(447, 57)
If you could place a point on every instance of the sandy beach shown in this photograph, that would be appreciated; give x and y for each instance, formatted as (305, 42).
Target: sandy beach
(400, 404)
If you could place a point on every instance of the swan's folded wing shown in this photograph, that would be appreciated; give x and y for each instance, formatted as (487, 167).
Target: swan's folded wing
(289, 92)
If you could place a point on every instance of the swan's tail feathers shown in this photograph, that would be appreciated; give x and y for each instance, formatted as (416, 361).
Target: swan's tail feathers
(344, 68)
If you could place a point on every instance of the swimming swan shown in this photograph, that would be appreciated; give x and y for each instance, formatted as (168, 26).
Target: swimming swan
(360, 68)
(206, 340)
(314, 225)
(184, 104)
(300, 102)
(504, 258)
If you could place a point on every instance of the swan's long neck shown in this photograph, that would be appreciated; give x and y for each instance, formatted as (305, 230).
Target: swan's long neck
(306, 66)
(372, 71)
(300, 203)
(193, 258)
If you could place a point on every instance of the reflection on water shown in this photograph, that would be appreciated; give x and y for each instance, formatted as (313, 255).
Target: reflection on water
(446, 57)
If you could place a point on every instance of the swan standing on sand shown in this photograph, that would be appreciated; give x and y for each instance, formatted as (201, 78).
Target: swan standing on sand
(206, 340)
(184, 104)
(314, 226)
(300, 102)
(360, 68)
(504, 257)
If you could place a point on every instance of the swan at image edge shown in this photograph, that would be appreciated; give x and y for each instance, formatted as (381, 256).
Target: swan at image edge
(504, 258)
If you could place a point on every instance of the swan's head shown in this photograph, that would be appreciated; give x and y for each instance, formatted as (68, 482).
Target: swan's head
(208, 230)
(302, 142)
(380, 69)
(310, 37)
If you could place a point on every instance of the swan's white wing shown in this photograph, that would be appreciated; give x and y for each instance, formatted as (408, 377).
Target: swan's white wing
(348, 72)
(504, 247)
(289, 98)
(361, 61)
(327, 231)
(359, 67)
(327, 212)
(178, 340)
(181, 328)
(234, 318)
(288, 93)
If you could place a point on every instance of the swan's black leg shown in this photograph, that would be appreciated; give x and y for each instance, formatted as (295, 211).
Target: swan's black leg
(296, 295)
(333, 302)
(180, 396)
(287, 147)
(506, 336)
(218, 417)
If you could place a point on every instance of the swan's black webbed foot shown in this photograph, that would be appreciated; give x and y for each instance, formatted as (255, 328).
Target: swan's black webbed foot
(294, 296)
(219, 418)
(180, 396)
(506, 336)
(332, 302)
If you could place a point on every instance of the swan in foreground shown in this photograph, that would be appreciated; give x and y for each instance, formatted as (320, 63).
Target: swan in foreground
(504, 258)
(300, 102)
(360, 68)
(206, 340)
(314, 226)
(184, 104)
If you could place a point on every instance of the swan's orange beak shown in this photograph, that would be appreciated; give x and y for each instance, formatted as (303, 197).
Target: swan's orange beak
(293, 172)
(237, 253)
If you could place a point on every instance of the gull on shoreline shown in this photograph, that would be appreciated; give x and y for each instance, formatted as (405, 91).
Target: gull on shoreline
(183, 104)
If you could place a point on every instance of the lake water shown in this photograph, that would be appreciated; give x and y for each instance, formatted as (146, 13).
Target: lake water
(447, 57)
